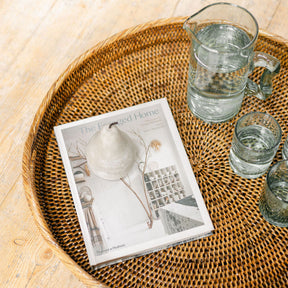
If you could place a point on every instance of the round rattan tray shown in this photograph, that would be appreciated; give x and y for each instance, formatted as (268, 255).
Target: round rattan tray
(138, 65)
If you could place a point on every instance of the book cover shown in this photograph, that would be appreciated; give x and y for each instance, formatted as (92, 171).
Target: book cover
(157, 204)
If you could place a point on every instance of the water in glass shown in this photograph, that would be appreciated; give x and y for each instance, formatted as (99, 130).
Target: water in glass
(272, 209)
(259, 141)
(285, 149)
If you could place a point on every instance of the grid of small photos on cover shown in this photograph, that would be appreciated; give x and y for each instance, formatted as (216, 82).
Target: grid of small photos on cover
(164, 187)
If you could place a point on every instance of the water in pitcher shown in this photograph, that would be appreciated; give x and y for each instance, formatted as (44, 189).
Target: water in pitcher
(259, 139)
(218, 72)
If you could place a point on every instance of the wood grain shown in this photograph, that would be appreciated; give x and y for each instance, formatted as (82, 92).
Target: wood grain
(38, 40)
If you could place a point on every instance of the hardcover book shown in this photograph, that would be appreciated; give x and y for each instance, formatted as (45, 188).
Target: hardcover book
(157, 204)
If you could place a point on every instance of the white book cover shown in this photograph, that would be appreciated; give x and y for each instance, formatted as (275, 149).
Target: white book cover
(156, 205)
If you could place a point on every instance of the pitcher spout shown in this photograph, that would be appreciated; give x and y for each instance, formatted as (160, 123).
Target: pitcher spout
(190, 28)
(195, 21)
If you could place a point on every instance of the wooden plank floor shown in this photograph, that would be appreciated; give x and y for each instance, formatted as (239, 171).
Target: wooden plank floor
(38, 39)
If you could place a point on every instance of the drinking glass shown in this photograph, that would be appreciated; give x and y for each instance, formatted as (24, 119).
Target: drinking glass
(285, 149)
(256, 138)
(222, 40)
(273, 203)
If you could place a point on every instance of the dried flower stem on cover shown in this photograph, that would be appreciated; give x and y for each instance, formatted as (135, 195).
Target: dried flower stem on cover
(148, 212)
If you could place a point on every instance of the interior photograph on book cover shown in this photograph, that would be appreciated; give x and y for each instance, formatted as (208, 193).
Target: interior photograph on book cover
(153, 203)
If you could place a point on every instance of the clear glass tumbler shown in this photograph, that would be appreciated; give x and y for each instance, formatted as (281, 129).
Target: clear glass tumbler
(256, 138)
(285, 149)
(273, 203)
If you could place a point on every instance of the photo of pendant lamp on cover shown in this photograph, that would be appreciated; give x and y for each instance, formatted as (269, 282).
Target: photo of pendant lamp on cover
(111, 154)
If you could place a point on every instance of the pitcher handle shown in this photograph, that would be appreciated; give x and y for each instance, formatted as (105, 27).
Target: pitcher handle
(272, 65)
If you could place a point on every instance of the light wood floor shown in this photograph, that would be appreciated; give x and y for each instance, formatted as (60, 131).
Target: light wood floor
(38, 39)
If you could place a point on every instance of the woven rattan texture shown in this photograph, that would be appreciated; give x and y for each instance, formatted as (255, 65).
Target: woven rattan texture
(136, 67)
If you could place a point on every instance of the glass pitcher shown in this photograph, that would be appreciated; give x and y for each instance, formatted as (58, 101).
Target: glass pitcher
(223, 37)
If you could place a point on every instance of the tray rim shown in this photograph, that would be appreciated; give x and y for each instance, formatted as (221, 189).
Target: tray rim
(29, 154)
